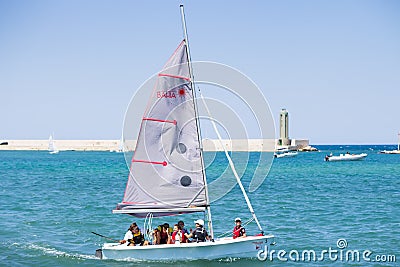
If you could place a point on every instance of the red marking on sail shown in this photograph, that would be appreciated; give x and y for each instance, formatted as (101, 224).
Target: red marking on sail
(140, 203)
(168, 94)
(152, 119)
(173, 76)
(164, 163)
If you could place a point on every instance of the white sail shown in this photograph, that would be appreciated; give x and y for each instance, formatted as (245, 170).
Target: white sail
(166, 172)
(52, 146)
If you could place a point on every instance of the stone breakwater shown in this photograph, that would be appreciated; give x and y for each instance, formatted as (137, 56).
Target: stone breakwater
(266, 145)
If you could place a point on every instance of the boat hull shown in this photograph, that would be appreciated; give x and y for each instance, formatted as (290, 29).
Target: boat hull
(286, 155)
(247, 247)
(346, 157)
(389, 152)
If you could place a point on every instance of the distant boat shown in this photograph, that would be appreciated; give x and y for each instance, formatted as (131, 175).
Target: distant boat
(286, 154)
(346, 157)
(52, 147)
(393, 151)
(389, 152)
(120, 148)
(308, 149)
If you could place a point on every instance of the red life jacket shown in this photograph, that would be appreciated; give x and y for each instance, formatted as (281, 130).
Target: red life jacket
(174, 236)
(237, 231)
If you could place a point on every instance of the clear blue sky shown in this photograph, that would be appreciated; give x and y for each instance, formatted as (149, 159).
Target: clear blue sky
(71, 67)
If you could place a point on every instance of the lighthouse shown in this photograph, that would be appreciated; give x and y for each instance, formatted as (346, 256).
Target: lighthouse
(284, 128)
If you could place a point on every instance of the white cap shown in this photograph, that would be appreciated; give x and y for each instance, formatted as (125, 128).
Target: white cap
(237, 219)
(200, 221)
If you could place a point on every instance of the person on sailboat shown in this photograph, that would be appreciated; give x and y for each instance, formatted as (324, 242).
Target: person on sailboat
(177, 235)
(185, 232)
(199, 234)
(165, 237)
(137, 239)
(128, 234)
(133, 236)
(156, 236)
(238, 230)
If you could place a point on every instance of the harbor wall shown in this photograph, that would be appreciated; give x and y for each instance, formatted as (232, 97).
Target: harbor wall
(114, 145)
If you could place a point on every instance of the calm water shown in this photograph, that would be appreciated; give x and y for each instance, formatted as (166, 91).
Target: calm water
(51, 203)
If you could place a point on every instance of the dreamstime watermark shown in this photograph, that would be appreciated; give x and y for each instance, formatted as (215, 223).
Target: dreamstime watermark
(339, 253)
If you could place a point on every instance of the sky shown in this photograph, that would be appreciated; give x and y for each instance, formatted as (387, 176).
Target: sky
(71, 67)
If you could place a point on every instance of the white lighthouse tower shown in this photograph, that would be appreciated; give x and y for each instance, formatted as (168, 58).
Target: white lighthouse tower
(284, 128)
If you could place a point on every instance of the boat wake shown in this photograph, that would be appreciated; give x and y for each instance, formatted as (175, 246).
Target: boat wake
(192, 261)
(53, 251)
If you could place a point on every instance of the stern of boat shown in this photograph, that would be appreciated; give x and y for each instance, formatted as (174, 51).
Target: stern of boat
(99, 253)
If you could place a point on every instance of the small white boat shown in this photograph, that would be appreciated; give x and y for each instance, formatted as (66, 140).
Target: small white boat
(345, 157)
(167, 175)
(52, 147)
(308, 149)
(392, 151)
(389, 152)
(286, 154)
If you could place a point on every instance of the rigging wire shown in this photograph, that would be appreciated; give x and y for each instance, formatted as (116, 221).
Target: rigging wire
(231, 164)
(147, 226)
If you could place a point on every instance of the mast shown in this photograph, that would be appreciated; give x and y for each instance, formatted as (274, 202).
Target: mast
(398, 142)
(218, 134)
(185, 36)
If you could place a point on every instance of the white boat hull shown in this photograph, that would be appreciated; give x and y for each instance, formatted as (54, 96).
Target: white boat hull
(346, 157)
(286, 155)
(247, 247)
(389, 152)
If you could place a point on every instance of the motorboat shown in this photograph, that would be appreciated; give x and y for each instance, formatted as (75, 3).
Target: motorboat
(288, 154)
(346, 157)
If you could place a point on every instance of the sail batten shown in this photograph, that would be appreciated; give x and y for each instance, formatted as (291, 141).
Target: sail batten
(166, 169)
(154, 119)
(173, 76)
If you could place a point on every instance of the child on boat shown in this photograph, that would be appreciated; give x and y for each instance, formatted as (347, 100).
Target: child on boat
(238, 230)
(133, 237)
(199, 234)
(177, 235)
(185, 232)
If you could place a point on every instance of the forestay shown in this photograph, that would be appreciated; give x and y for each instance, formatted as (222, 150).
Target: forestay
(166, 175)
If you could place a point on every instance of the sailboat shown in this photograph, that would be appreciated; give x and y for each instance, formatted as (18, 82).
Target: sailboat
(52, 147)
(393, 151)
(167, 175)
(120, 148)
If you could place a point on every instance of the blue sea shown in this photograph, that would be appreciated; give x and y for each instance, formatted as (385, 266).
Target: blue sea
(50, 204)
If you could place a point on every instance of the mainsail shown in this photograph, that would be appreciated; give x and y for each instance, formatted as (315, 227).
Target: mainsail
(166, 173)
(51, 143)
(52, 146)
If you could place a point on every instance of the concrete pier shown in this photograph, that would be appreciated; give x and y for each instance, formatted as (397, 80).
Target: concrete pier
(260, 145)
